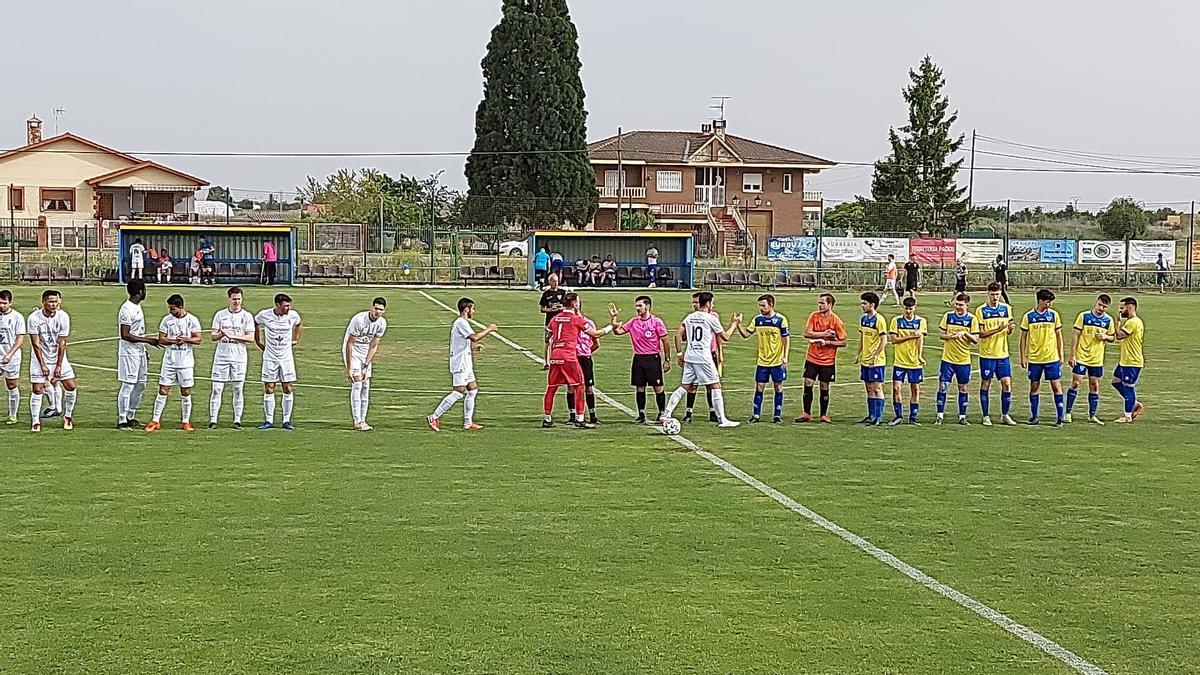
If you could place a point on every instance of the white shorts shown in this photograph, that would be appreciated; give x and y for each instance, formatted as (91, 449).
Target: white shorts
(358, 368)
(229, 371)
(700, 373)
(463, 377)
(35, 371)
(890, 284)
(182, 377)
(136, 263)
(279, 370)
(12, 369)
(132, 369)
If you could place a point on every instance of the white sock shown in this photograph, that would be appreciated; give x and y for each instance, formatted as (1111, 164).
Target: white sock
(451, 398)
(719, 404)
(269, 408)
(239, 401)
(287, 408)
(160, 402)
(469, 407)
(214, 401)
(58, 398)
(35, 407)
(123, 401)
(185, 406)
(68, 398)
(676, 397)
(364, 400)
(356, 401)
(14, 401)
(135, 400)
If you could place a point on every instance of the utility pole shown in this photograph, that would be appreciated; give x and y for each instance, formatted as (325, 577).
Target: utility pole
(620, 176)
(12, 234)
(971, 176)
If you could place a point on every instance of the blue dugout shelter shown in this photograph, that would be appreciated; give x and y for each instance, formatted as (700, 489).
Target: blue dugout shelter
(676, 254)
(237, 249)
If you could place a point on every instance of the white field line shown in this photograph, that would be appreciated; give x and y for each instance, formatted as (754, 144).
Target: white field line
(1030, 636)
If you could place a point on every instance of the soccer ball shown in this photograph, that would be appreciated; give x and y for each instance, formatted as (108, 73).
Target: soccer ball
(653, 285)
(671, 426)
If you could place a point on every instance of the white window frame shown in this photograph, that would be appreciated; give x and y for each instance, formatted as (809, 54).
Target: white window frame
(612, 179)
(673, 181)
(748, 186)
(787, 183)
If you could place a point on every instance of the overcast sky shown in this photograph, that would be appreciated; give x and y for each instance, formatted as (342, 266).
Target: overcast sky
(818, 77)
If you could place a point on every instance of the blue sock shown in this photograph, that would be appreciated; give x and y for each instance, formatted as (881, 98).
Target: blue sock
(871, 408)
(1059, 406)
(758, 398)
(1120, 387)
(1093, 404)
(941, 400)
(985, 402)
(879, 409)
(962, 404)
(1005, 402)
(898, 408)
(1034, 400)
(1072, 394)
(779, 403)
(914, 410)
(1130, 398)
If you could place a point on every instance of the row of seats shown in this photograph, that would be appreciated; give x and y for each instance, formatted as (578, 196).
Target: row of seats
(487, 275)
(53, 274)
(347, 273)
(756, 280)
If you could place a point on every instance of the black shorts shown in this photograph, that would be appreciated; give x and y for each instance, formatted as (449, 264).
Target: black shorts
(1160, 278)
(960, 285)
(646, 371)
(589, 371)
(819, 373)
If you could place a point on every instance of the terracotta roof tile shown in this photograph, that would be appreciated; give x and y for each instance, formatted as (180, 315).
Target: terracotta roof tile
(671, 147)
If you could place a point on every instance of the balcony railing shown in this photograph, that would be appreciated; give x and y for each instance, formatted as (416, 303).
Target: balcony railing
(710, 195)
(610, 192)
(680, 209)
(813, 195)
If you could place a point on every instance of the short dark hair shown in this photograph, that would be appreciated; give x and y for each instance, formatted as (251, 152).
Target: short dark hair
(6, 295)
(236, 289)
(994, 286)
(282, 297)
(704, 298)
(176, 300)
(891, 256)
(1105, 298)
(870, 297)
(379, 301)
(464, 303)
(644, 298)
(570, 298)
(135, 286)
(696, 295)
(963, 297)
(829, 296)
(50, 293)
(910, 302)
(1129, 300)
(1045, 295)
(768, 297)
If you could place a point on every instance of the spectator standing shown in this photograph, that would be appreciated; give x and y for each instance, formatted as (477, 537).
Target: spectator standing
(541, 267)
(912, 278)
(137, 260)
(269, 257)
(556, 264)
(1161, 269)
(652, 265)
(1000, 276)
(208, 261)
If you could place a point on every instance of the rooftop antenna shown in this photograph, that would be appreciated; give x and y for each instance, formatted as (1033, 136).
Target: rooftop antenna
(718, 103)
(58, 113)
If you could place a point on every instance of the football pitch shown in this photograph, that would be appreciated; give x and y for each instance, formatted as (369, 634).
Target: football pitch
(824, 549)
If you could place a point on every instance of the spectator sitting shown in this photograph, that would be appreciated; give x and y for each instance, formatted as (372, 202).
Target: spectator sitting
(195, 270)
(594, 275)
(581, 271)
(609, 271)
(164, 266)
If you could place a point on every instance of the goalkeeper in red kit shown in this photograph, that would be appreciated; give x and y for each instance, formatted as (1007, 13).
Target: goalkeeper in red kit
(565, 329)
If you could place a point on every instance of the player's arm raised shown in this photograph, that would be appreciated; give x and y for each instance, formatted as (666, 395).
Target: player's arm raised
(745, 331)
(476, 337)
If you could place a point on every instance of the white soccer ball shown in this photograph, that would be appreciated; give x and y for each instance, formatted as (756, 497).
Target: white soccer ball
(671, 426)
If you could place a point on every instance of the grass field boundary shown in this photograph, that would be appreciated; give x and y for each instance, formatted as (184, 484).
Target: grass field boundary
(1032, 637)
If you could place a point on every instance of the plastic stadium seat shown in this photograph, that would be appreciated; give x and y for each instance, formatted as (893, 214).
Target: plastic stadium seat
(710, 279)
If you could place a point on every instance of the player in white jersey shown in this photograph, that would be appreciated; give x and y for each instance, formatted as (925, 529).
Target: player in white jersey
(463, 341)
(359, 345)
(132, 364)
(276, 331)
(179, 333)
(12, 336)
(49, 328)
(232, 330)
(698, 331)
(137, 260)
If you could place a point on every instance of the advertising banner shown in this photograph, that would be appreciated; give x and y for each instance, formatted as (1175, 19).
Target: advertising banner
(932, 251)
(1145, 252)
(863, 249)
(1102, 252)
(1196, 252)
(792, 249)
(980, 250)
(1024, 250)
(1057, 251)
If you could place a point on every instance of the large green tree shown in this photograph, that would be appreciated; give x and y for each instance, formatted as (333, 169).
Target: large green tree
(529, 165)
(917, 180)
(1123, 219)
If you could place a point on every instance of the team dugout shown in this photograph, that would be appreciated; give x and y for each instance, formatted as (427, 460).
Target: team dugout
(676, 254)
(237, 250)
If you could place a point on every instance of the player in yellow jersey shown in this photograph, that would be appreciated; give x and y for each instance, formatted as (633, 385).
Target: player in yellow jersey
(1093, 330)
(995, 325)
(907, 334)
(871, 357)
(1041, 353)
(774, 346)
(1129, 367)
(959, 331)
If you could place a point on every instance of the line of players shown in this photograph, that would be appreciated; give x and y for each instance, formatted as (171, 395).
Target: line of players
(275, 331)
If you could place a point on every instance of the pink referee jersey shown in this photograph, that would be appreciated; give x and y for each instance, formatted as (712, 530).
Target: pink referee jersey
(645, 334)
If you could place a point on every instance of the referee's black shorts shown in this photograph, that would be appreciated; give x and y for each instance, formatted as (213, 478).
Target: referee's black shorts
(589, 371)
(813, 371)
(646, 371)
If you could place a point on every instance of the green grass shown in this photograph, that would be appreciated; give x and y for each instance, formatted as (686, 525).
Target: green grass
(523, 550)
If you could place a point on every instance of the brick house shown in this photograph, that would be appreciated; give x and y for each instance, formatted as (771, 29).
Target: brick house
(692, 181)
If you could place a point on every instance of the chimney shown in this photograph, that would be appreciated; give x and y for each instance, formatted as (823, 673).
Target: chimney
(33, 128)
(706, 129)
(719, 128)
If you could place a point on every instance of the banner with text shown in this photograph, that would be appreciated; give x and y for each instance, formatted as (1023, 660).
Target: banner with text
(863, 249)
(1196, 252)
(792, 249)
(1146, 252)
(1102, 252)
(1057, 251)
(932, 251)
(980, 250)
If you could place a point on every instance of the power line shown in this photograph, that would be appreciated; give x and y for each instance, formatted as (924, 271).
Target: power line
(1085, 153)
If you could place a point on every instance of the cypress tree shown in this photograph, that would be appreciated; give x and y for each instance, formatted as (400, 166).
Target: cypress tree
(529, 165)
